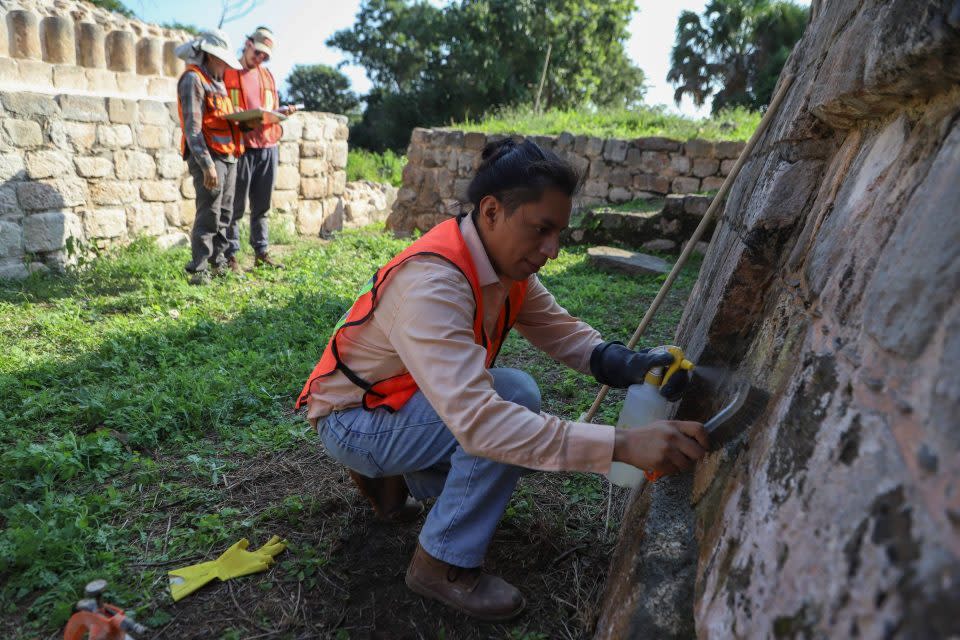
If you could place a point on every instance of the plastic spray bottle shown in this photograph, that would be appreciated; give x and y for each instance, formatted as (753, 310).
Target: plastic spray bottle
(644, 405)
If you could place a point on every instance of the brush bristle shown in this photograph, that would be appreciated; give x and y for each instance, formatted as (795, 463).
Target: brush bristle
(734, 419)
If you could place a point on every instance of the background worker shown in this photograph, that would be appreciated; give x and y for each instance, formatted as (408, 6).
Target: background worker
(211, 145)
(406, 397)
(253, 87)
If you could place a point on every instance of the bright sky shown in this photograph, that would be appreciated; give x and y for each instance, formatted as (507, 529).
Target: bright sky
(302, 28)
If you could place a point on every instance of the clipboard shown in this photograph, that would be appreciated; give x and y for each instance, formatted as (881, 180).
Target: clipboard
(268, 117)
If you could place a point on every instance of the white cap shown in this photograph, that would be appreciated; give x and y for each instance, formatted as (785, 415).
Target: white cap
(215, 42)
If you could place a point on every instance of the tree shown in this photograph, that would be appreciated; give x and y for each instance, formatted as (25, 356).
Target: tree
(114, 5)
(735, 51)
(321, 88)
(431, 65)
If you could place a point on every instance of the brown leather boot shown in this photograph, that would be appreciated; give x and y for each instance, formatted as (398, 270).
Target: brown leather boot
(264, 260)
(475, 593)
(389, 497)
(234, 265)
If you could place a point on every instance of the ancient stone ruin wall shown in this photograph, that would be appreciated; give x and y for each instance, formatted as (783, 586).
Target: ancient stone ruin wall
(90, 138)
(833, 282)
(441, 162)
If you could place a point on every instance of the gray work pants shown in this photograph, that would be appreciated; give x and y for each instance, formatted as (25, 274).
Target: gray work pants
(256, 173)
(208, 240)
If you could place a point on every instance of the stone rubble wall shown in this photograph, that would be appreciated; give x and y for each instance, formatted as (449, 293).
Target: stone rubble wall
(832, 283)
(82, 171)
(94, 160)
(441, 162)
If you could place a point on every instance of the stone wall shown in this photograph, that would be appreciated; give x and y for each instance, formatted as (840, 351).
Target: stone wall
(440, 163)
(832, 283)
(67, 46)
(95, 160)
(78, 171)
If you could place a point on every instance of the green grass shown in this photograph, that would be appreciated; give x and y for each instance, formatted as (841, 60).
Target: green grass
(127, 396)
(377, 167)
(733, 124)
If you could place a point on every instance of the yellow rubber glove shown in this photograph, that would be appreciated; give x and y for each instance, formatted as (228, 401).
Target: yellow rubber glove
(232, 563)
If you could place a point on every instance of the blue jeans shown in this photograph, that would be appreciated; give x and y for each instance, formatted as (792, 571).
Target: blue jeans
(471, 492)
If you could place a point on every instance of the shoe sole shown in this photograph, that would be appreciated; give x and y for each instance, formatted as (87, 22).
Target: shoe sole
(422, 590)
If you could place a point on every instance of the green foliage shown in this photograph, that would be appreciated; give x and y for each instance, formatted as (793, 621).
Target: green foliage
(128, 399)
(735, 51)
(114, 5)
(730, 124)
(189, 28)
(430, 65)
(321, 88)
(377, 167)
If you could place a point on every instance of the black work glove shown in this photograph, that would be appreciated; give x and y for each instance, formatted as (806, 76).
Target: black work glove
(614, 365)
(676, 385)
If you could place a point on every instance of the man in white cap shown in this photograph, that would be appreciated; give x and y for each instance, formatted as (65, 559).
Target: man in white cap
(254, 87)
(211, 145)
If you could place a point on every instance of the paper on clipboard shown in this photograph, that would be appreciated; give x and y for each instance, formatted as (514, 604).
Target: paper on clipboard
(260, 115)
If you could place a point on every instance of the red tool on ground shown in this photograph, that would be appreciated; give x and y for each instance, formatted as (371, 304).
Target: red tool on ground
(98, 620)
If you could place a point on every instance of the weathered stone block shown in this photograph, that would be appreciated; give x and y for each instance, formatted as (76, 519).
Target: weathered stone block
(146, 218)
(728, 149)
(655, 162)
(187, 187)
(312, 167)
(657, 144)
(154, 112)
(48, 164)
(314, 188)
(170, 164)
(285, 200)
(703, 167)
(188, 212)
(159, 191)
(624, 261)
(93, 167)
(680, 164)
(121, 51)
(91, 47)
(161, 86)
(289, 152)
(619, 194)
(83, 108)
(80, 135)
(309, 219)
(337, 182)
(474, 140)
(35, 73)
(30, 105)
(122, 111)
(24, 34)
(288, 177)
(49, 231)
(596, 188)
(342, 132)
(23, 133)
(153, 137)
(660, 244)
(711, 183)
(12, 166)
(132, 84)
(9, 204)
(150, 57)
(312, 129)
(57, 41)
(338, 154)
(293, 128)
(74, 78)
(175, 239)
(620, 177)
(647, 182)
(311, 149)
(172, 65)
(593, 147)
(685, 185)
(113, 192)
(696, 205)
(11, 239)
(101, 81)
(105, 223)
(114, 136)
(700, 149)
(134, 165)
(615, 150)
(173, 214)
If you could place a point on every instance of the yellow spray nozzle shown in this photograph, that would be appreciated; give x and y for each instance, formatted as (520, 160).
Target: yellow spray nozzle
(659, 377)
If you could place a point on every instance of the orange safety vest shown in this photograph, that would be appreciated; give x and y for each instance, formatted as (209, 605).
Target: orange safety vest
(269, 100)
(221, 135)
(444, 241)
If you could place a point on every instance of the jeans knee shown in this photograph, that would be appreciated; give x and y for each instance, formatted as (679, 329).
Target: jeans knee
(518, 387)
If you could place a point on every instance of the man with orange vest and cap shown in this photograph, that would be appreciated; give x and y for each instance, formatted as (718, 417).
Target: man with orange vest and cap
(407, 396)
(253, 87)
(211, 145)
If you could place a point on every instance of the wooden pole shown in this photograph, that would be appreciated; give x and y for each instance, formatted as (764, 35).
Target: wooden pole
(701, 228)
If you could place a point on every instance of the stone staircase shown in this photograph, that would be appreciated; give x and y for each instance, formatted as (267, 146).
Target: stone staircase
(656, 224)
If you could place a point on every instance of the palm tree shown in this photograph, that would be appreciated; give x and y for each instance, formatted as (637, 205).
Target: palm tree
(734, 51)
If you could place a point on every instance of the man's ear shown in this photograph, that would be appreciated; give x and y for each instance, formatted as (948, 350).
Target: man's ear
(490, 211)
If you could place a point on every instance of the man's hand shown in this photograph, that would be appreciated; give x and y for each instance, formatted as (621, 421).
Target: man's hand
(287, 109)
(210, 180)
(667, 446)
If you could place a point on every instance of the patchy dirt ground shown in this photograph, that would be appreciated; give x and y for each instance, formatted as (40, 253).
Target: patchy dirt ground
(342, 576)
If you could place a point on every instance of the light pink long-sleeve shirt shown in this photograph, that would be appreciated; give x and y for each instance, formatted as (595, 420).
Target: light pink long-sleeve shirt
(423, 324)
